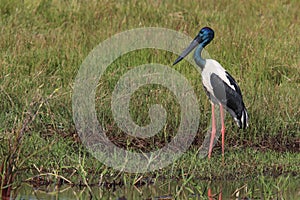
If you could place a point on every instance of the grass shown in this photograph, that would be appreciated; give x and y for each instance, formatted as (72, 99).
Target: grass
(44, 42)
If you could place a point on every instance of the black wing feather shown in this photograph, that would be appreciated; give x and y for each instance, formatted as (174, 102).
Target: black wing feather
(233, 82)
(231, 99)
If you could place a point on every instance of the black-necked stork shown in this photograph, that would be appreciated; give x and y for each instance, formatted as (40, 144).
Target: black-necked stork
(219, 85)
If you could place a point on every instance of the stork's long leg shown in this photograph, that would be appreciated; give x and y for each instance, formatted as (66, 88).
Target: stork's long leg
(222, 128)
(213, 130)
(209, 194)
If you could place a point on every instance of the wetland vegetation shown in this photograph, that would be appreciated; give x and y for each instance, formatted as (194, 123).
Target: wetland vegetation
(44, 42)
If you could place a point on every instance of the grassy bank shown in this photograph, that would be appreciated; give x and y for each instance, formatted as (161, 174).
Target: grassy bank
(43, 44)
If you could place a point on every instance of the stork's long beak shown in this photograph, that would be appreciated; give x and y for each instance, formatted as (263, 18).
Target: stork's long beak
(193, 44)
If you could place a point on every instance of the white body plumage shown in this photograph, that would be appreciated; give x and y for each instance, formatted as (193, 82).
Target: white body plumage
(213, 67)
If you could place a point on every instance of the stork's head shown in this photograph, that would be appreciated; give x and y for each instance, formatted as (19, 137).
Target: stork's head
(204, 37)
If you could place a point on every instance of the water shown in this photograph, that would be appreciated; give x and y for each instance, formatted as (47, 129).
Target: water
(261, 188)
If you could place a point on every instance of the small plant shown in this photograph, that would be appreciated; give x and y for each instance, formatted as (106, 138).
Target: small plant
(12, 162)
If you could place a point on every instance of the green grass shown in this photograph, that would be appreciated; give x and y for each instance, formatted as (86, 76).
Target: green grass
(44, 42)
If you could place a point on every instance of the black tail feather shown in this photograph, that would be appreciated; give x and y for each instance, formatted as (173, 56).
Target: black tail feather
(243, 120)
